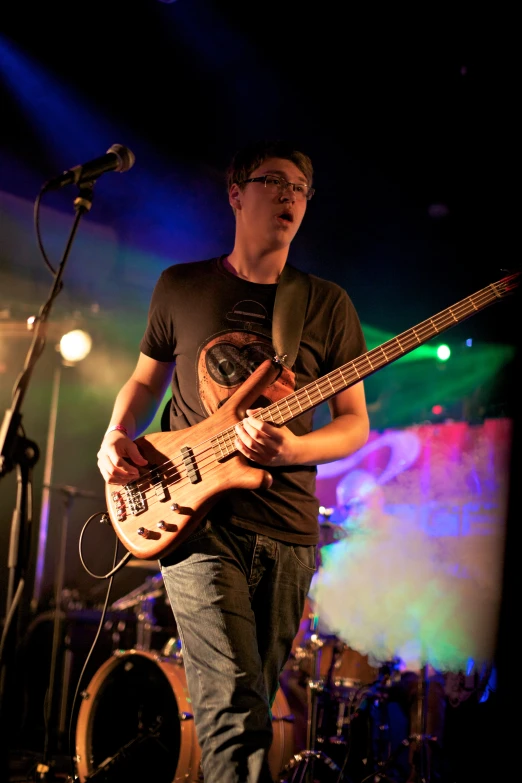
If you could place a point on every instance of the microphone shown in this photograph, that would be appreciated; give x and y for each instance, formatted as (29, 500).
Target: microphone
(117, 158)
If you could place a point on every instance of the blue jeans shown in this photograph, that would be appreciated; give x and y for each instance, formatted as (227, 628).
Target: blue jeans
(237, 598)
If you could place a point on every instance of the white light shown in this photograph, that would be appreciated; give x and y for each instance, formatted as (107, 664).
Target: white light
(75, 345)
(443, 352)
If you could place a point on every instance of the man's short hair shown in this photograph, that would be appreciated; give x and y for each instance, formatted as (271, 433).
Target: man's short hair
(248, 159)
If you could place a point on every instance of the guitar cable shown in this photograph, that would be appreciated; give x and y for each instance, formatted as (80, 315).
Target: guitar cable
(115, 567)
(104, 520)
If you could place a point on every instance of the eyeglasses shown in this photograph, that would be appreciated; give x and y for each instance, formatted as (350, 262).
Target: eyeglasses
(280, 184)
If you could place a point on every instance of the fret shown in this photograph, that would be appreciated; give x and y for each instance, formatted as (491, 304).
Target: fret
(307, 394)
(399, 344)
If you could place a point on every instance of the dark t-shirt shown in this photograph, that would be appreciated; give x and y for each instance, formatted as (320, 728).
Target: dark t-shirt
(217, 328)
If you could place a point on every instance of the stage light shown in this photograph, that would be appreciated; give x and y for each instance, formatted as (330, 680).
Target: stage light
(443, 353)
(75, 345)
(437, 410)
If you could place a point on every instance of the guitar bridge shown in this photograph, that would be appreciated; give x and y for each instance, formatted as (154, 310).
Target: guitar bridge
(134, 500)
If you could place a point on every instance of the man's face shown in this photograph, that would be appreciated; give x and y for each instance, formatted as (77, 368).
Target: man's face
(269, 216)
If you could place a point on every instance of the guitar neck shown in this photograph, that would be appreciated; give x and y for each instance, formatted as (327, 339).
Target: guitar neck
(317, 392)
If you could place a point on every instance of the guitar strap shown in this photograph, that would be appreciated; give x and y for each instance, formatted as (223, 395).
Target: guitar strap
(290, 305)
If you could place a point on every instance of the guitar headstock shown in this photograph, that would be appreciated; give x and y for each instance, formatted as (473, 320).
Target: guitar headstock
(508, 284)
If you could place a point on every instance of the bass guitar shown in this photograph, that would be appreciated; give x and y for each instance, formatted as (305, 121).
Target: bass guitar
(188, 470)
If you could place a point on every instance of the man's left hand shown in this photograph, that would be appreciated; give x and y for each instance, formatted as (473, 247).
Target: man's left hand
(264, 443)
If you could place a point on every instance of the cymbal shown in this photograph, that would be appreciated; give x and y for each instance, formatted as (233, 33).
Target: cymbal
(136, 562)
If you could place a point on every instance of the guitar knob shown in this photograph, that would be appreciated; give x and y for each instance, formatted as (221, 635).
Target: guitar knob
(142, 531)
(175, 507)
(167, 526)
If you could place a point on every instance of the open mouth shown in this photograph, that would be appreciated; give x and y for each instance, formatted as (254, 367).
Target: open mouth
(287, 217)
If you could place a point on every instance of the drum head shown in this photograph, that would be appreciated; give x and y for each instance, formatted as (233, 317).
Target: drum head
(133, 723)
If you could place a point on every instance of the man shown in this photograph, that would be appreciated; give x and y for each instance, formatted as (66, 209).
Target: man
(238, 584)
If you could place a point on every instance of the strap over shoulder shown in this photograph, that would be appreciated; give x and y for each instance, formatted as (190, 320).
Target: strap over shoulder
(290, 306)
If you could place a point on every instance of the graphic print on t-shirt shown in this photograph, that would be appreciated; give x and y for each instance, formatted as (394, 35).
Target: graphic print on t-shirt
(227, 359)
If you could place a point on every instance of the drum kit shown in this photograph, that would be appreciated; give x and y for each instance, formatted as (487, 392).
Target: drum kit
(329, 716)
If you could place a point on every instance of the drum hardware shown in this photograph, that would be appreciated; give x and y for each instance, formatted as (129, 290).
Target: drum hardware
(116, 629)
(145, 625)
(420, 740)
(142, 599)
(348, 705)
(385, 759)
(108, 769)
(340, 688)
(151, 588)
(172, 649)
(357, 713)
(302, 767)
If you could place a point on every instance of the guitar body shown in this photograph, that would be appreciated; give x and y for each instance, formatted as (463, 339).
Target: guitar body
(187, 472)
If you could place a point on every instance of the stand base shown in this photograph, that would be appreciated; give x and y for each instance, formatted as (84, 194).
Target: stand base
(303, 766)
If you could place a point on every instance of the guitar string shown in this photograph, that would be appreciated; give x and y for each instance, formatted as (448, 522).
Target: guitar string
(228, 436)
(325, 382)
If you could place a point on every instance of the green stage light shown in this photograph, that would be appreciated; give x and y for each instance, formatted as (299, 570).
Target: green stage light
(443, 353)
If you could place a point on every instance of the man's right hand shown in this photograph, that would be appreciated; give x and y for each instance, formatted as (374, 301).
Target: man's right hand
(118, 457)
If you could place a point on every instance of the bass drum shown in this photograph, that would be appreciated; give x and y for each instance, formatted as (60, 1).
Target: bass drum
(135, 723)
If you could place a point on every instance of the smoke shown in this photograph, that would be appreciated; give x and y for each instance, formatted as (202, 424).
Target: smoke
(391, 590)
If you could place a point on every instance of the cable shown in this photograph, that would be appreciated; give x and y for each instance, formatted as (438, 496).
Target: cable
(36, 217)
(104, 520)
(72, 751)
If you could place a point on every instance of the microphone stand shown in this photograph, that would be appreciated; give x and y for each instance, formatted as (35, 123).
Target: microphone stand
(20, 453)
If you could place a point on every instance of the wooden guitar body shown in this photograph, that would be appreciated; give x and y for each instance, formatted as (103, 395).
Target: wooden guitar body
(187, 472)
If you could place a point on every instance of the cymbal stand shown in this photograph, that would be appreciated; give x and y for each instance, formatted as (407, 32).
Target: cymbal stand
(417, 741)
(144, 624)
(420, 739)
(304, 764)
(142, 599)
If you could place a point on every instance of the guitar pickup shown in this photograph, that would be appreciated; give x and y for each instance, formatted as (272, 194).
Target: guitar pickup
(187, 455)
(159, 489)
(157, 482)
